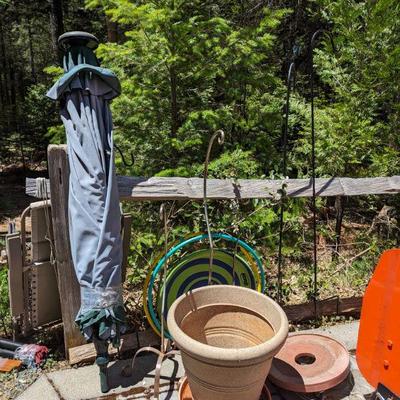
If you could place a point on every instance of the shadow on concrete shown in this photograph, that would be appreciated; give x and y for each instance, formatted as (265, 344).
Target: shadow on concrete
(143, 372)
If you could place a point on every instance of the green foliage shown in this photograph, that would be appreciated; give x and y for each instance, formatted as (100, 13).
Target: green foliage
(26, 51)
(187, 69)
(363, 122)
(142, 254)
(56, 134)
(38, 113)
(5, 318)
(55, 72)
(234, 165)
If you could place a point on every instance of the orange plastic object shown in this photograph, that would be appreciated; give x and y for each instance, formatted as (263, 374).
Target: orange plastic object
(378, 347)
(7, 365)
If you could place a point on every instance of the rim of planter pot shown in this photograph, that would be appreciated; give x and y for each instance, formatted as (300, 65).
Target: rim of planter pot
(219, 355)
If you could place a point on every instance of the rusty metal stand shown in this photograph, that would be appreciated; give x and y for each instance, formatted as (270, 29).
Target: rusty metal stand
(166, 350)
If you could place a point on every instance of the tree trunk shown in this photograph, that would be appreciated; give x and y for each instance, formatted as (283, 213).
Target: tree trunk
(2, 102)
(31, 54)
(174, 103)
(173, 83)
(3, 70)
(13, 96)
(57, 26)
(112, 31)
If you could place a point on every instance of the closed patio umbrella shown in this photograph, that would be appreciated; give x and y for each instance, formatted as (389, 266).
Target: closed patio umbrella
(85, 91)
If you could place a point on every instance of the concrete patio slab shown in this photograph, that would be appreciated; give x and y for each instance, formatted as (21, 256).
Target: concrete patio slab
(83, 383)
(41, 389)
(346, 333)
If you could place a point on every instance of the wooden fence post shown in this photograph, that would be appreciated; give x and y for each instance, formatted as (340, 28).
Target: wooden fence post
(16, 281)
(67, 283)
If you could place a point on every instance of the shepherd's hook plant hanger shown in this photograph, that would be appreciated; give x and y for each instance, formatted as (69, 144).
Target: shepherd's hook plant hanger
(313, 161)
(131, 163)
(290, 85)
(221, 138)
(165, 350)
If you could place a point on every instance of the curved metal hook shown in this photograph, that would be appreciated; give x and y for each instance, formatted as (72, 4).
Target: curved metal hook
(123, 157)
(317, 33)
(163, 212)
(221, 138)
(290, 86)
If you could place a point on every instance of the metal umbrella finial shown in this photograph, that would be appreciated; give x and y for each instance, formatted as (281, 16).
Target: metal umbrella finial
(77, 38)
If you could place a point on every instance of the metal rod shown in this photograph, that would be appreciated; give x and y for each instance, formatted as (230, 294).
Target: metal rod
(290, 79)
(313, 165)
(221, 138)
(164, 218)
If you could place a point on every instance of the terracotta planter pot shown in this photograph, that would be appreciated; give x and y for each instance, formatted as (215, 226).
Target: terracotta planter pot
(228, 336)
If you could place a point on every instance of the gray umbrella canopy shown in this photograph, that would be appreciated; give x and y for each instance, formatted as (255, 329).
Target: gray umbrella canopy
(85, 91)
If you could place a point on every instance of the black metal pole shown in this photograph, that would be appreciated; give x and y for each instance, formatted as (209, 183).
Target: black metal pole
(313, 167)
(284, 172)
(314, 207)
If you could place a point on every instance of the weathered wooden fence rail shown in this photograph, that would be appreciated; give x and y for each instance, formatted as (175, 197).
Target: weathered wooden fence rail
(157, 188)
(141, 189)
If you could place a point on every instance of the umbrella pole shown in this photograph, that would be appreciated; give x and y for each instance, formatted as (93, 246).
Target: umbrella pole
(165, 344)
(102, 359)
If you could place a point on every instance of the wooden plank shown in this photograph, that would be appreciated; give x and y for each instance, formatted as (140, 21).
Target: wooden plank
(45, 298)
(350, 306)
(67, 282)
(129, 342)
(33, 187)
(40, 229)
(137, 189)
(15, 274)
(162, 189)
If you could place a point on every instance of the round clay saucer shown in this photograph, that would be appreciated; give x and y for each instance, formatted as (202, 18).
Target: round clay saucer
(186, 394)
(310, 363)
